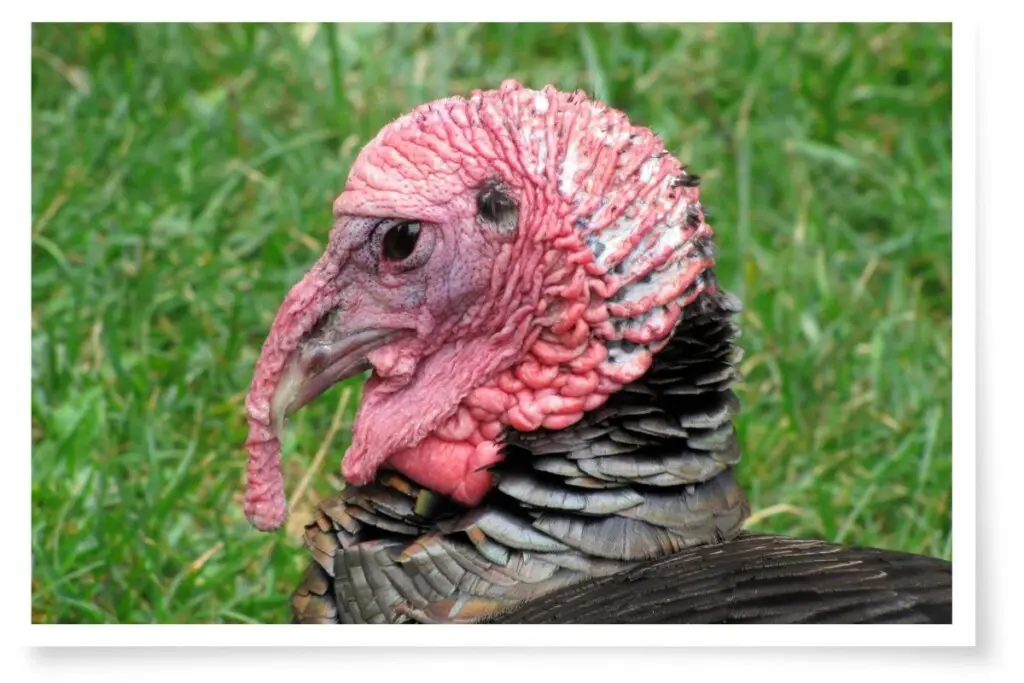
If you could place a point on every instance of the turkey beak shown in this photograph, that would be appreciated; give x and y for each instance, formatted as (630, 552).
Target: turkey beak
(330, 352)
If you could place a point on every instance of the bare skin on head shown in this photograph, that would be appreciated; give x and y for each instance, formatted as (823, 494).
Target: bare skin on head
(507, 260)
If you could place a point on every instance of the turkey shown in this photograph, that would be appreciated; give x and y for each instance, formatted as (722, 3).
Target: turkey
(546, 434)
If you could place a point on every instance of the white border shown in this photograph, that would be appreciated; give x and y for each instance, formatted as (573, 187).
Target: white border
(500, 635)
(965, 320)
(521, 10)
(962, 632)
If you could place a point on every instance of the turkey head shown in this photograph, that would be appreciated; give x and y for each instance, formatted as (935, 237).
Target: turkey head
(507, 260)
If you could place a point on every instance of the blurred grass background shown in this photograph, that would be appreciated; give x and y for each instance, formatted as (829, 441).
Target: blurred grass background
(181, 182)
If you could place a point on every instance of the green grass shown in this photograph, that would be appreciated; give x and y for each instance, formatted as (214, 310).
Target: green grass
(182, 179)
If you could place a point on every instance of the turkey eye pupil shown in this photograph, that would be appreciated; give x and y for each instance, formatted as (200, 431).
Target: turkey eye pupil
(400, 241)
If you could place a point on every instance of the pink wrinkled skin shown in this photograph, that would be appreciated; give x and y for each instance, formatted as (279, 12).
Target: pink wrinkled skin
(526, 330)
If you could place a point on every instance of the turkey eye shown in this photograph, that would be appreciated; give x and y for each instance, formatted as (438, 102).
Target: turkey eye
(400, 241)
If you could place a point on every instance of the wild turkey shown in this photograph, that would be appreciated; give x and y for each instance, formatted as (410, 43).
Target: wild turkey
(547, 432)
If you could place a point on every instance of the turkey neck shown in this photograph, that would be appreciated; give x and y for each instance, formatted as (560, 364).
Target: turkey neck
(644, 476)
(650, 472)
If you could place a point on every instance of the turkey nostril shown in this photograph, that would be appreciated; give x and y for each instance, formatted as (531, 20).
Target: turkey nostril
(317, 345)
(321, 325)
